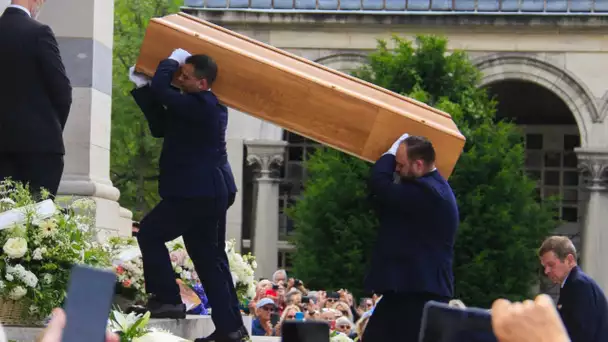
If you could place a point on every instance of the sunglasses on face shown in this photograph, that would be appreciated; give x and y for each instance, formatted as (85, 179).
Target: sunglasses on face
(268, 308)
(331, 300)
(344, 327)
(291, 316)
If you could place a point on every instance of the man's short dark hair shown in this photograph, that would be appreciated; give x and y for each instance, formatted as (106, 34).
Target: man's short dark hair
(420, 148)
(204, 67)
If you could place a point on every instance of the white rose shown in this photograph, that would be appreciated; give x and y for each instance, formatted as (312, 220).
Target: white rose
(15, 247)
(254, 264)
(17, 293)
(9, 277)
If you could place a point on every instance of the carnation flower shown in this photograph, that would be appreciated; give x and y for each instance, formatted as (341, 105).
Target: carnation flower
(37, 254)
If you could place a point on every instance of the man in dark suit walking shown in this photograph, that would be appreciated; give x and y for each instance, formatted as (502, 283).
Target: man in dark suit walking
(582, 304)
(412, 259)
(35, 98)
(197, 187)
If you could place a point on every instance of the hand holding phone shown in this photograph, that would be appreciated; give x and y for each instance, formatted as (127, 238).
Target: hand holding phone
(88, 303)
(54, 330)
(530, 321)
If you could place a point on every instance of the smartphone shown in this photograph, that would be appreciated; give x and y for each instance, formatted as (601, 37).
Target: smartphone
(305, 331)
(305, 300)
(88, 303)
(274, 318)
(442, 323)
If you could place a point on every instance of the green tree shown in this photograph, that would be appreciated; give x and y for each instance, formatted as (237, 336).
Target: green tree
(501, 225)
(134, 152)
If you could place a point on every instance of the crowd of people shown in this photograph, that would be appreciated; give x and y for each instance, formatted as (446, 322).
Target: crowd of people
(281, 299)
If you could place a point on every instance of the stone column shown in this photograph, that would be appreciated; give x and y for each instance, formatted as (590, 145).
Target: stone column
(593, 164)
(242, 128)
(266, 155)
(84, 31)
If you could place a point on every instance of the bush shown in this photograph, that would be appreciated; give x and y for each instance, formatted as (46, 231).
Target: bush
(501, 225)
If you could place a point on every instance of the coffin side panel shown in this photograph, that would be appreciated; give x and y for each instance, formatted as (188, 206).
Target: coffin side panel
(326, 106)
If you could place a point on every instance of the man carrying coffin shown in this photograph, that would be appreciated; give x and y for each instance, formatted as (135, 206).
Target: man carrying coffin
(412, 259)
(196, 186)
(35, 96)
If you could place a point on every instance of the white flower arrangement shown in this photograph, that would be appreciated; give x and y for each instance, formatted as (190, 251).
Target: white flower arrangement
(242, 268)
(133, 328)
(129, 269)
(40, 244)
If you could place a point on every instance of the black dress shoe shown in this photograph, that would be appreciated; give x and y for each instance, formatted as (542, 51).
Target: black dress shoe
(160, 310)
(241, 335)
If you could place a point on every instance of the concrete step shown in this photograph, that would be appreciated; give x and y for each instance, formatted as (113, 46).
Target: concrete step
(192, 327)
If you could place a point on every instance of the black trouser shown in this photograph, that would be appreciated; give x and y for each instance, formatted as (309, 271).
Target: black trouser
(397, 317)
(201, 222)
(39, 170)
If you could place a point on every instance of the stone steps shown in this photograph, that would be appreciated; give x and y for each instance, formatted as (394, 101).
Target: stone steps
(192, 327)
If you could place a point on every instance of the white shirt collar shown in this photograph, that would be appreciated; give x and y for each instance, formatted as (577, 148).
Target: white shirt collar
(21, 8)
(564, 282)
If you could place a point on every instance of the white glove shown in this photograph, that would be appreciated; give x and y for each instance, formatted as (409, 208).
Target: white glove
(180, 56)
(393, 149)
(140, 80)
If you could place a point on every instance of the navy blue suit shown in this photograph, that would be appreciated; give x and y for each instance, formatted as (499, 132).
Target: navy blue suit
(412, 259)
(196, 186)
(583, 308)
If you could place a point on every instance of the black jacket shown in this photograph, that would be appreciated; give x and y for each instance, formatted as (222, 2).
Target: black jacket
(35, 92)
(194, 160)
(418, 222)
(583, 308)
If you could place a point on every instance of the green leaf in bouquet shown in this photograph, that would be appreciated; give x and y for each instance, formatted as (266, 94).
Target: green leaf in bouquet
(141, 323)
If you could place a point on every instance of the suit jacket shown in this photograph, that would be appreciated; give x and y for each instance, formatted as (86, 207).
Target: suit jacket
(193, 160)
(583, 308)
(418, 222)
(35, 93)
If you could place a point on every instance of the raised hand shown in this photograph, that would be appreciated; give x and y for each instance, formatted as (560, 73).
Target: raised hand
(180, 55)
(395, 146)
(140, 80)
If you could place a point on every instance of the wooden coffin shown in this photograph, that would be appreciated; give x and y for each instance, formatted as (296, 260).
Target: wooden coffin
(302, 96)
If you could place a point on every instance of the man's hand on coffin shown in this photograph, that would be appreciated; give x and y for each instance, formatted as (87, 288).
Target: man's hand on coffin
(393, 149)
(139, 79)
(180, 56)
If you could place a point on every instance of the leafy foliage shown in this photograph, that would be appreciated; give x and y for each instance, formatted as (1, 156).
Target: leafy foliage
(501, 222)
(134, 152)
